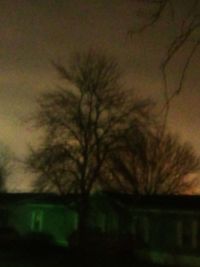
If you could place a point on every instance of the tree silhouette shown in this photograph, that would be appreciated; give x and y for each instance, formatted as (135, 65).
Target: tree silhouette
(151, 166)
(5, 165)
(83, 122)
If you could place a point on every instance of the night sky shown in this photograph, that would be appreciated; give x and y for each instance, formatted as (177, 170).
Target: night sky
(34, 32)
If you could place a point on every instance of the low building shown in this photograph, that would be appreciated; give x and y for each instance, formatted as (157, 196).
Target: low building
(46, 214)
(160, 229)
(167, 229)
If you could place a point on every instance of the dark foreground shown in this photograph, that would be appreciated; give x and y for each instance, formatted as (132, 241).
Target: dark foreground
(60, 257)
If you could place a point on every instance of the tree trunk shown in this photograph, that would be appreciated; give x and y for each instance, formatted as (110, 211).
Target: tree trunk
(83, 221)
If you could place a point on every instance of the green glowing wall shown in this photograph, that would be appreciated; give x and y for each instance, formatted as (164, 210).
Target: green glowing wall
(56, 220)
(60, 221)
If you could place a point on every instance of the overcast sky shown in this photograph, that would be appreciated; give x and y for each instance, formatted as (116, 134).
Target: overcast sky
(33, 32)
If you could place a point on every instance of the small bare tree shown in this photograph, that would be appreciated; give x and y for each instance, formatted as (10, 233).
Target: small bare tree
(6, 164)
(150, 166)
(83, 123)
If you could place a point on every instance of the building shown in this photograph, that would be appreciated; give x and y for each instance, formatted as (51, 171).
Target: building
(29, 213)
(160, 229)
(167, 229)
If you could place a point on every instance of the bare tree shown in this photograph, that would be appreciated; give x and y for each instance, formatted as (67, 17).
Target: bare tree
(185, 16)
(6, 165)
(83, 122)
(151, 166)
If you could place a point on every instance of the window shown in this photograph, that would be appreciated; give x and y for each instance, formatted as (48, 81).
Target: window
(124, 223)
(189, 233)
(142, 230)
(133, 225)
(111, 223)
(194, 233)
(146, 229)
(179, 233)
(37, 220)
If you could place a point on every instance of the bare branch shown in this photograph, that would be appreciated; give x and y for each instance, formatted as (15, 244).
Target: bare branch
(83, 123)
(156, 168)
(161, 5)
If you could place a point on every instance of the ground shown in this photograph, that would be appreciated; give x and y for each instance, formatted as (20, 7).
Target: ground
(58, 257)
